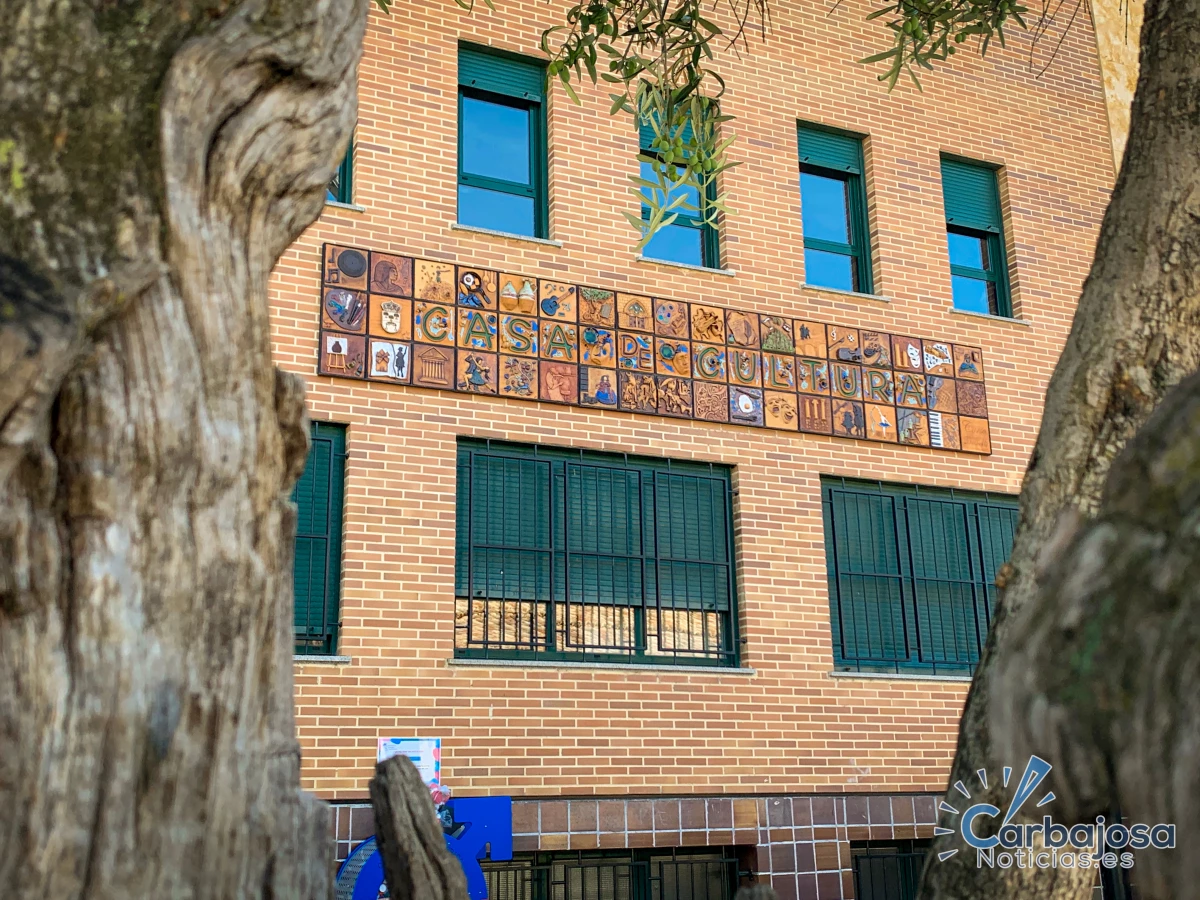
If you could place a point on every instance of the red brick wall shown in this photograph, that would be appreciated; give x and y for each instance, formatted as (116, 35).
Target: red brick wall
(789, 727)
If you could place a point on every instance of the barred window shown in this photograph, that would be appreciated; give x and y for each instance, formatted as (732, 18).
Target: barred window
(615, 875)
(912, 574)
(567, 554)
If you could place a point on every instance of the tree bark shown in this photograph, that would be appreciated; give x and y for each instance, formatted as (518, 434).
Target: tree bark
(155, 159)
(1136, 334)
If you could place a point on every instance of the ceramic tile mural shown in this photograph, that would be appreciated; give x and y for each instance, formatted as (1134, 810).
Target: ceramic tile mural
(430, 324)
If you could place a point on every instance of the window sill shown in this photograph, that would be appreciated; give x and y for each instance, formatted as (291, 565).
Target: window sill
(545, 242)
(828, 290)
(664, 669)
(353, 207)
(678, 265)
(304, 660)
(901, 676)
(1024, 323)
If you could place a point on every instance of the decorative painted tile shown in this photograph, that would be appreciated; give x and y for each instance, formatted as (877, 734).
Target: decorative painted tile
(345, 267)
(598, 346)
(560, 340)
(741, 329)
(518, 377)
(434, 281)
(846, 380)
(477, 288)
(913, 425)
(710, 362)
(710, 401)
(391, 318)
(779, 372)
(843, 344)
(972, 399)
(477, 329)
(876, 349)
(391, 274)
(938, 358)
(976, 435)
(558, 301)
(849, 419)
(674, 396)
(910, 390)
(634, 312)
(519, 335)
(673, 357)
(671, 319)
(812, 376)
(881, 422)
(708, 324)
(810, 339)
(638, 393)
(940, 394)
(518, 295)
(343, 355)
(744, 367)
(879, 386)
(559, 382)
(777, 335)
(635, 352)
(781, 410)
(390, 361)
(944, 431)
(815, 415)
(906, 355)
(597, 387)
(478, 373)
(432, 366)
(968, 363)
(597, 307)
(746, 406)
(344, 310)
(433, 323)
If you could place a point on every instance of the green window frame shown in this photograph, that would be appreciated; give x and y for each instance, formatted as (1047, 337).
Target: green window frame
(710, 236)
(317, 574)
(971, 195)
(839, 155)
(341, 187)
(517, 82)
(912, 573)
(579, 555)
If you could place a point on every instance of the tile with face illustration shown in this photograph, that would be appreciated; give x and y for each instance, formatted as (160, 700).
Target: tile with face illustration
(634, 313)
(938, 358)
(345, 267)
(671, 319)
(940, 394)
(876, 349)
(597, 307)
(391, 317)
(478, 373)
(708, 324)
(344, 310)
(779, 372)
(391, 274)
(518, 377)
(968, 363)
(849, 419)
(815, 414)
(781, 410)
(745, 368)
(433, 323)
(906, 355)
(560, 341)
(518, 294)
(845, 380)
(879, 386)
(434, 281)
(558, 301)
(810, 339)
(776, 333)
(881, 422)
(910, 390)
(343, 355)
(710, 401)
(597, 346)
(913, 427)
(812, 375)
(673, 357)
(972, 399)
(844, 344)
(559, 381)
(477, 288)
(477, 329)
(944, 431)
(710, 362)
(741, 329)
(975, 434)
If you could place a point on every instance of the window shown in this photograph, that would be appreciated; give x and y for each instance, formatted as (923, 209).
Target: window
(341, 188)
(566, 554)
(975, 233)
(833, 201)
(911, 574)
(318, 567)
(502, 142)
(888, 870)
(615, 875)
(689, 239)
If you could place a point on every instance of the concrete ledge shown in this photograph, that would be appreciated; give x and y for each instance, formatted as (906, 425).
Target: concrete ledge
(892, 676)
(625, 667)
(302, 660)
(1005, 320)
(545, 242)
(879, 298)
(353, 207)
(678, 265)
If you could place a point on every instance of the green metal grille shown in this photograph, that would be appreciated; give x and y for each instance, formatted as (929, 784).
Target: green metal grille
(614, 875)
(911, 574)
(888, 872)
(573, 554)
(317, 574)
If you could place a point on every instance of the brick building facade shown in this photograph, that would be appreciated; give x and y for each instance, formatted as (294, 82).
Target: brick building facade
(780, 698)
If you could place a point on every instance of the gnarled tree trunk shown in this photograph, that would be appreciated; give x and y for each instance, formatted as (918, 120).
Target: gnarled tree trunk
(1136, 334)
(155, 159)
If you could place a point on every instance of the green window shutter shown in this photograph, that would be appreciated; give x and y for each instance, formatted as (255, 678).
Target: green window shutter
(319, 496)
(830, 150)
(341, 188)
(501, 73)
(971, 196)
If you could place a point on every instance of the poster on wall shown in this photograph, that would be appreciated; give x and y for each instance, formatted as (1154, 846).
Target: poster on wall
(426, 755)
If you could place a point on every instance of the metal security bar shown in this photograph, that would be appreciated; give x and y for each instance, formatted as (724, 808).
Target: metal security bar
(579, 555)
(912, 574)
(616, 875)
(887, 873)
